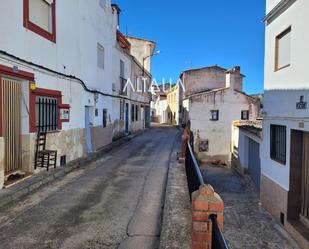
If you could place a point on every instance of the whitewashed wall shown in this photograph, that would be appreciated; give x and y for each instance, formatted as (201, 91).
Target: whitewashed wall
(219, 133)
(296, 76)
(284, 87)
(81, 24)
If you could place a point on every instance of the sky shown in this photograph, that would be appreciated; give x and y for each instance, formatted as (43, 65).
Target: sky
(197, 33)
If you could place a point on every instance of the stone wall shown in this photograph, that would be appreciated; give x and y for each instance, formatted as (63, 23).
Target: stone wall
(273, 197)
(218, 133)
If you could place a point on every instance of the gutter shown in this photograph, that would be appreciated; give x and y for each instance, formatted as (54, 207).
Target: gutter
(69, 77)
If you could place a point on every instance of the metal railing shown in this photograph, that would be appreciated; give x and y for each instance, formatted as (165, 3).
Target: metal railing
(195, 180)
(194, 175)
(47, 109)
(218, 240)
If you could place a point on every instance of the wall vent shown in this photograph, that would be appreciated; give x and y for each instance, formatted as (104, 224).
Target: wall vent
(63, 160)
(282, 218)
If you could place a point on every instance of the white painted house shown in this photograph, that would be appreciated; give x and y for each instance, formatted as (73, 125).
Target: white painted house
(213, 99)
(62, 65)
(159, 107)
(246, 144)
(285, 147)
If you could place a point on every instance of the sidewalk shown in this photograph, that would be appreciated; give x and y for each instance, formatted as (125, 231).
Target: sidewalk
(29, 185)
(246, 224)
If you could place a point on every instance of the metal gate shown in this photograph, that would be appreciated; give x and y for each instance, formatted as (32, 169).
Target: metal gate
(254, 162)
(11, 90)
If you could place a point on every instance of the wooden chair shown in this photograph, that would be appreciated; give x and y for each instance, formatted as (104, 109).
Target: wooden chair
(44, 158)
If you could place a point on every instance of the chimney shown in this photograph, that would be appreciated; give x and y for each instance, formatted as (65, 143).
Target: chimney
(116, 10)
(234, 78)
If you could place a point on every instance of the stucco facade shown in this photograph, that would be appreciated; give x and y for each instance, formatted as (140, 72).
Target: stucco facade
(212, 138)
(286, 95)
(78, 65)
(174, 105)
(159, 107)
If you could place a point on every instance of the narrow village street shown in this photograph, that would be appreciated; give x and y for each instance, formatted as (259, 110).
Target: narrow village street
(115, 202)
(246, 224)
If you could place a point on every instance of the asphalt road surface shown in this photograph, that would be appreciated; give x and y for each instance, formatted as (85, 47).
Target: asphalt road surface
(115, 202)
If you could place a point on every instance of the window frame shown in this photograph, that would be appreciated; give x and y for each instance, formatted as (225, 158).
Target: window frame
(217, 115)
(100, 48)
(45, 93)
(242, 114)
(274, 142)
(51, 104)
(278, 37)
(36, 28)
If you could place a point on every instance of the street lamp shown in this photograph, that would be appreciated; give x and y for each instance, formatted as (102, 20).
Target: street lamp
(145, 58)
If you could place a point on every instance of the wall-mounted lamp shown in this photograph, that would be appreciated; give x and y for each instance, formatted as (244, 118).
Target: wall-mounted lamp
(32, 85)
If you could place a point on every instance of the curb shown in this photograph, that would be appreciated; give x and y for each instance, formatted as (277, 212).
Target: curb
(26, 187)
(176, 223)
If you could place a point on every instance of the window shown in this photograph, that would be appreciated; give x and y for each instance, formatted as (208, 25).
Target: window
(214, 115)
(100, 56)
(244, 115)
(40, 17)
(283, 50)
(123, 81)
(105, 117)
(136, 112)
(278, 143)
(46, 114)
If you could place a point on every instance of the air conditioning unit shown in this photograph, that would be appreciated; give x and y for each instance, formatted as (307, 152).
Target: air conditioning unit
(114, 87)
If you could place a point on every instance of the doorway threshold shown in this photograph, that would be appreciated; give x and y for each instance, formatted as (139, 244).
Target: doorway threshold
(16, 178)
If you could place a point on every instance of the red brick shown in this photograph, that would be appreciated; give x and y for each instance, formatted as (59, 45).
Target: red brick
(201, 226)
(202, 237)
(200, 216)
(207, 190)
(216, 206)
(200, 205)
(198, 245)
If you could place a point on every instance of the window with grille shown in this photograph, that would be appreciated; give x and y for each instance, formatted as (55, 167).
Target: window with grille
(278, 143)
(46, 111)
(214, 115)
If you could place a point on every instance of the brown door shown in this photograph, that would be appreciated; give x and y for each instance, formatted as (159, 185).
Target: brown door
(305, 177)
(11, 90)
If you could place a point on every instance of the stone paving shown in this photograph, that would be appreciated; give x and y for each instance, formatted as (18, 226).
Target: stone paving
(247, 225)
